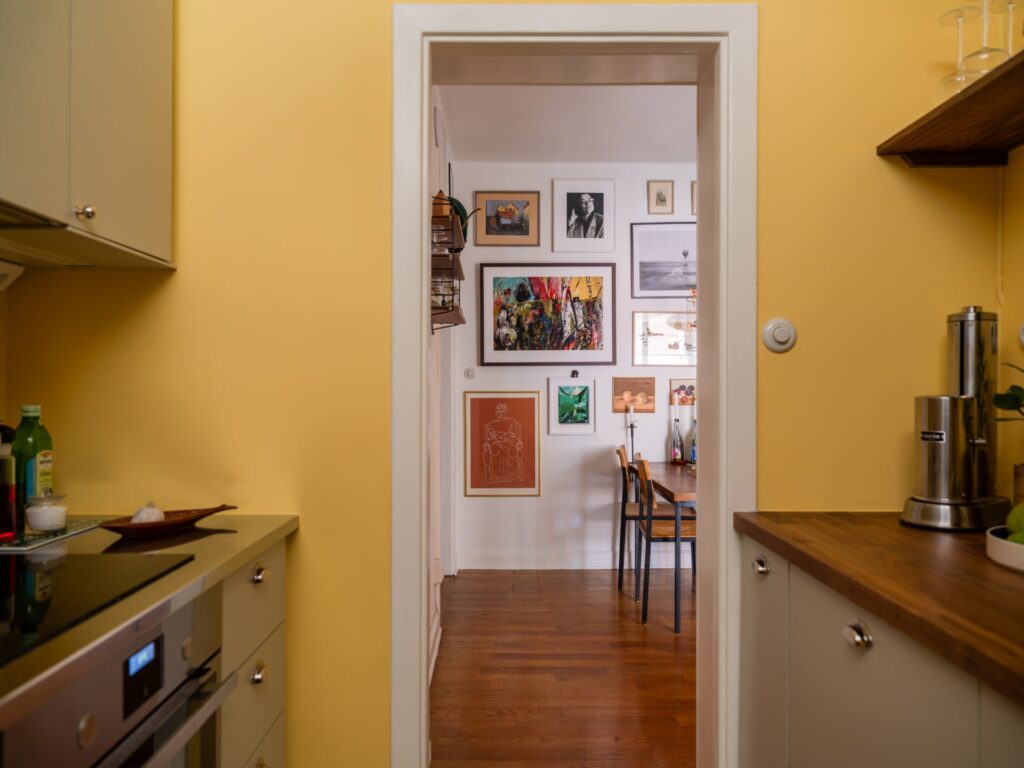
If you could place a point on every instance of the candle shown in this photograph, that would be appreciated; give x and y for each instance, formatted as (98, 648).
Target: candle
(629, 414)
(675, 404)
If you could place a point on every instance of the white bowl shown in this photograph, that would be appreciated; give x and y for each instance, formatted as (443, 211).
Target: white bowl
(1002, 551)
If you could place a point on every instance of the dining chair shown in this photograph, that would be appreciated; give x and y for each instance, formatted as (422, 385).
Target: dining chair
(654, 528)
(629, 511)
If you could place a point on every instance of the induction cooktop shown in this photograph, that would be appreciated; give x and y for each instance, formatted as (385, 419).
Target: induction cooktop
(43, 594)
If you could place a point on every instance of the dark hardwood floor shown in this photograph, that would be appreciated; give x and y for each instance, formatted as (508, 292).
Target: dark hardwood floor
(553, 668)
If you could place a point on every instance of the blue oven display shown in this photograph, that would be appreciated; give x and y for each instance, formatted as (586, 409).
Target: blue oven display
(138, 660)
(143, 675)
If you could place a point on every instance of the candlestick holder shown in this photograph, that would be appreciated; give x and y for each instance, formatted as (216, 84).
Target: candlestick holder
(631, 426)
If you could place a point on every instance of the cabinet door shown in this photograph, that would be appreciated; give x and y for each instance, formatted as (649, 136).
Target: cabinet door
(764, 657)
(894, 704)
(1002, 731)
(34, 105)
(120, 114)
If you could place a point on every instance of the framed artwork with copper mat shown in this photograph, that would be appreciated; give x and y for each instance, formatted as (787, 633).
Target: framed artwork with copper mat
(502, 444)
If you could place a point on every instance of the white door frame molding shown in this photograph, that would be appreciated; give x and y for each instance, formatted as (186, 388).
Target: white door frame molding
(727, 201)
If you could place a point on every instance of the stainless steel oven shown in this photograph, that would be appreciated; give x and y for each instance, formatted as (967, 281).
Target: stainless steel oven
(149, 697)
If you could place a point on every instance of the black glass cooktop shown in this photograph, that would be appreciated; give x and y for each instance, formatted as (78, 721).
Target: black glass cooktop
(44, 594)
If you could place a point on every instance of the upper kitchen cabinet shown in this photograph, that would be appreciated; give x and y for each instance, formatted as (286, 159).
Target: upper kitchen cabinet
(85, 132)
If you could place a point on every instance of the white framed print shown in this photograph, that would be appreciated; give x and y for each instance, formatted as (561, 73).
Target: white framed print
(584, 215)
(571, 408)
(663, 259)
(547, 314)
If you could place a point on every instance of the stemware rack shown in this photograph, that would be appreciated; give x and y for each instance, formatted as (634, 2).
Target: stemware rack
(977, 127)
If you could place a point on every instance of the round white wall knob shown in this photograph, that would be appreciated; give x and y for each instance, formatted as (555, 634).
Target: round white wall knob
(779, 334)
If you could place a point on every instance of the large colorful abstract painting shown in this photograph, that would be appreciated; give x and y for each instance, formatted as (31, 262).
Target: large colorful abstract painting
(547, 314)
(502, 443)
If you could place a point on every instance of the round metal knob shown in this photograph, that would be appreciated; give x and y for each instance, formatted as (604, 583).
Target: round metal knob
(259, 675)
(85, 212)
(258, 574)
(760, 566)
(858, 635)
(87, 730)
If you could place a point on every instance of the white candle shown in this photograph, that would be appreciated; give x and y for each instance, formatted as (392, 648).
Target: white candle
(629, 414)
(675, 404)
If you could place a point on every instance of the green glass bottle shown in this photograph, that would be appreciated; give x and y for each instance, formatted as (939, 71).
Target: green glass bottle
(33, 456)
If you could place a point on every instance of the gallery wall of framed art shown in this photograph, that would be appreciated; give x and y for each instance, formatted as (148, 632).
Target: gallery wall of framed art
(540, 315)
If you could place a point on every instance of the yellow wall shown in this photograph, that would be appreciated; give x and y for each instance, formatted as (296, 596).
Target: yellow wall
(1011, 315)
(258, 373)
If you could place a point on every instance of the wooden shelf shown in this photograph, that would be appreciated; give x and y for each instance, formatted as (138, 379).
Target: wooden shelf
(977, 127)
(447, 318)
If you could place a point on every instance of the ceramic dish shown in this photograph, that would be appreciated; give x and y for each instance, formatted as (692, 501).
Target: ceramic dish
(175, 521)
(1002, 551)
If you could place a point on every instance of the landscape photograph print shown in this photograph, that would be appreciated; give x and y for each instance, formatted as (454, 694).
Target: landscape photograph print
(543, 314)
(663, 257)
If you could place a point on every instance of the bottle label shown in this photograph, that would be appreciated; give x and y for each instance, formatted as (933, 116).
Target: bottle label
(39, 474)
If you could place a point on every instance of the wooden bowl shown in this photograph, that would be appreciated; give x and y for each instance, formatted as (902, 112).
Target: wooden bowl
(175, 521)
(1004, 552)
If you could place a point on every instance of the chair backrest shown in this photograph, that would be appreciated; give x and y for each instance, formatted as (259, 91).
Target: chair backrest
(647, 498)
(627, 479)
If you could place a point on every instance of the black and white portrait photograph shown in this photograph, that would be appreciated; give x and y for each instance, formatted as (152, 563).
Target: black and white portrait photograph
(663, 259)
(584, 215)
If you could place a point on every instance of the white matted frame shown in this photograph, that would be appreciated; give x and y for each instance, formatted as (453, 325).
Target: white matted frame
(572, 406)
(574, 228)
(725, 37)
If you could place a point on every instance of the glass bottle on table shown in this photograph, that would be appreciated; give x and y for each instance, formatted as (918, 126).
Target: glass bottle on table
(677, 443)
(693, 442)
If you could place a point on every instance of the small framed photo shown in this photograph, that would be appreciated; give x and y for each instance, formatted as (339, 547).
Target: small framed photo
(584, 215)
(693, 198)
(571, 408)
(502, 443)
(664, 338)
(660, 197)
(637, 391)
(682, 391)
(547, 314)
(507, 218)
(663, 259)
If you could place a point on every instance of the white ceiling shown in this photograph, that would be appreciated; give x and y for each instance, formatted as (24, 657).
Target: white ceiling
(571, 123)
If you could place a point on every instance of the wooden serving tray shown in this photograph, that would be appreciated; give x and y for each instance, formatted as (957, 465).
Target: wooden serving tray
(175, 521)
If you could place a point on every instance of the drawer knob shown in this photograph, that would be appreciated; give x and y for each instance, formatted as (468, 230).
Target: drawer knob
(760, 566)
(85, 212)
(259, 573)
(857, 635)
(259, 675)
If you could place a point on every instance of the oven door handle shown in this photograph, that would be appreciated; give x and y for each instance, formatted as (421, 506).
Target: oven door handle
(173, 746)
(160, 715)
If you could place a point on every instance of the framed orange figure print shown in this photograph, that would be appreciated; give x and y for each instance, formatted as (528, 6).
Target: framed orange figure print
(502, 444)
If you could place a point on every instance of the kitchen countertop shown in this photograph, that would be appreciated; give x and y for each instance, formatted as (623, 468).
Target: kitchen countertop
(220, 545)
(937, 587)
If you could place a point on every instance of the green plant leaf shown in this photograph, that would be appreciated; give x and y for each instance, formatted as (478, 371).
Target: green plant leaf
(1007, 401)
(1015, 367)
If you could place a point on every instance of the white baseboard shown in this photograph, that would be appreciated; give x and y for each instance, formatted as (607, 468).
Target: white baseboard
(533, 560)
(435, 644)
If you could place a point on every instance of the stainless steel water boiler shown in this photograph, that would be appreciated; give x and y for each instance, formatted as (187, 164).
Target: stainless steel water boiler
(956, 434)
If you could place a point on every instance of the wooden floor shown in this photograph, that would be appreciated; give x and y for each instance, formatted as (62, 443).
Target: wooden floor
(553, 668)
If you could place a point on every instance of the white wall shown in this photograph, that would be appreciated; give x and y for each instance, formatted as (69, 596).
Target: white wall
(573, 523)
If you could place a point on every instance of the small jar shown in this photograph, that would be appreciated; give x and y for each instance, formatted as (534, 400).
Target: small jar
(46, 513)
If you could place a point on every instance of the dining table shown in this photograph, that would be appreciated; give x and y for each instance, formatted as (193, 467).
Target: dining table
(677, 484)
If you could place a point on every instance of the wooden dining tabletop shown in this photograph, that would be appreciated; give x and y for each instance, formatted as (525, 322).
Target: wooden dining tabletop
(674, 482)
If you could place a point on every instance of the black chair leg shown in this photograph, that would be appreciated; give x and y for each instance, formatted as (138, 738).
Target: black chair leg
(693, 563)
(636, 561)
(678, 570)
(622, 547)
(647, 575)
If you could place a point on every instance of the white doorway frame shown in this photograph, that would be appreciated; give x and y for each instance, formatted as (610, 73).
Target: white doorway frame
(727, 316)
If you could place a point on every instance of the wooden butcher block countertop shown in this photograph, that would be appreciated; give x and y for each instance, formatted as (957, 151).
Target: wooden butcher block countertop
(937, 587)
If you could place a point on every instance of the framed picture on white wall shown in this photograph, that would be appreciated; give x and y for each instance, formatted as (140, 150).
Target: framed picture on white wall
(663, 259)
(584, 215)
(571, 406)
(502, 444)
(660, 197)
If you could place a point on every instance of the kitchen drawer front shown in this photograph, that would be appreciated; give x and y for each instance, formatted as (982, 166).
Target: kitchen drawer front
(891, 705)
(253, 605)
(1002, 731)
(252, 708)
(764, 656)
(270, 752)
